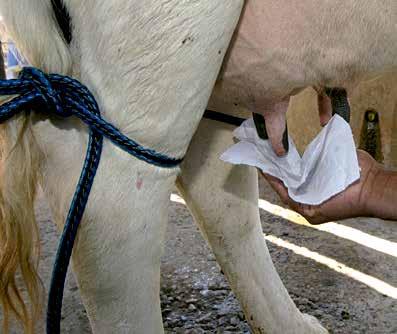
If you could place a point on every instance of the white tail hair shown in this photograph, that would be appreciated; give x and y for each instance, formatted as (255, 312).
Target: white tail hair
(32, 25)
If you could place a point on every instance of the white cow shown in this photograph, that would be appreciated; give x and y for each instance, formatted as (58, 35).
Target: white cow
(152, 65)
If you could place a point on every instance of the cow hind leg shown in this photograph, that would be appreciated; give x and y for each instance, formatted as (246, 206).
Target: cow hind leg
(117, 253)
(223, 200)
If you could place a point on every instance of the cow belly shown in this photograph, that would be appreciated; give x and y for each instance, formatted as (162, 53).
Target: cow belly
(281, 47)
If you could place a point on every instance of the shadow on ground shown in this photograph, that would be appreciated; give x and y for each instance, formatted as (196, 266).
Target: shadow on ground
(196, 298)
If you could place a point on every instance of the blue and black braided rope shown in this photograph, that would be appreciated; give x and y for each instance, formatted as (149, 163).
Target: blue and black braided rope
(67, 97)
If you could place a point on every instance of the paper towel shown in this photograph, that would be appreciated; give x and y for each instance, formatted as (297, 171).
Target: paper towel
(328, 166)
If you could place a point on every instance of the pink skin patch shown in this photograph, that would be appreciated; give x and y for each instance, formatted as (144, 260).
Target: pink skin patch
(139, 182)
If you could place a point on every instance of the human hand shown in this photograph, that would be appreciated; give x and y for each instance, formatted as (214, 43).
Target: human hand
(353, 202)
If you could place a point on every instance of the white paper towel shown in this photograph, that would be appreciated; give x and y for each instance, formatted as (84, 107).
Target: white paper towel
(328, 166)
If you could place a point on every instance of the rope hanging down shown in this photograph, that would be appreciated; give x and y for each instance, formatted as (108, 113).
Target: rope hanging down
(67, 97)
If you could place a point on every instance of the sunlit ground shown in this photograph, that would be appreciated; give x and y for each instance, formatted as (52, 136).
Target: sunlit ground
(342, 231)
(338, 230)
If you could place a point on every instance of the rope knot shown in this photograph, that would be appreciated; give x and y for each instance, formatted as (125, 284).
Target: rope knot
(48, 93)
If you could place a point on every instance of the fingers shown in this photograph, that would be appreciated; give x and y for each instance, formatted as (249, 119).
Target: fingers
(312, 213)
(333, 101)
(324, 108)
(278, 187)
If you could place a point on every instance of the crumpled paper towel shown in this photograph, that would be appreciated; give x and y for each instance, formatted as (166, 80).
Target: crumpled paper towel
(328, 166)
